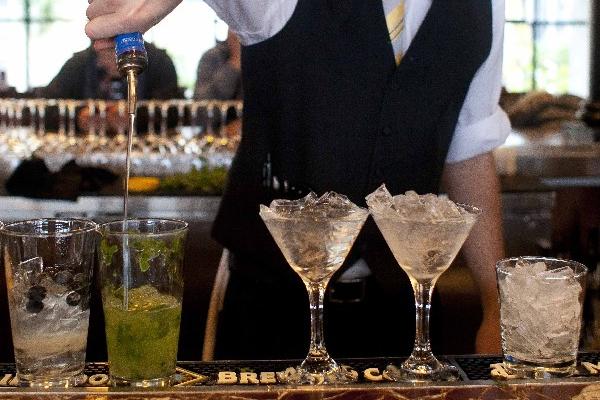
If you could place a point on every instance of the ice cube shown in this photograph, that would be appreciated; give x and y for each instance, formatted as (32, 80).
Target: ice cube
(283, 207)
(333, 200)
(428, 207)
(558, 273)
(537, 268)
(329, 205)
(53, 287)
(63, 277)
(30, 247)
(29, 270)
(380, 200)
(333, 205)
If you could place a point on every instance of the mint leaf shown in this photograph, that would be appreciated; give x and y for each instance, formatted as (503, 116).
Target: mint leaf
(148, 249)
(107, 251)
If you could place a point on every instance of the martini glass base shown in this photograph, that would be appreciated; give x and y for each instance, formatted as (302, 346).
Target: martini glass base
(412, 372)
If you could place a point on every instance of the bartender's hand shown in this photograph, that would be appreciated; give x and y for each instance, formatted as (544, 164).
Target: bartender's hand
(108, 18)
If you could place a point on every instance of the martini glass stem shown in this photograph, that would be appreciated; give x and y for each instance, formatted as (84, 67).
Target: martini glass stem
(422, 348)
(316, 295)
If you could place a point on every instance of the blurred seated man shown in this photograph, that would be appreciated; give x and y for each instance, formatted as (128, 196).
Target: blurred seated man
(219, 72)
(219, 77)
(92, 74)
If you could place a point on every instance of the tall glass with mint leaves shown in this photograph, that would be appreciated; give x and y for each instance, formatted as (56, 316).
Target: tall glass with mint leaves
(141, 263)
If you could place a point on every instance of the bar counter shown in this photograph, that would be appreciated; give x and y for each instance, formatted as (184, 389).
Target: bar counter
(256, 380)
(549, 160)
(533, 168)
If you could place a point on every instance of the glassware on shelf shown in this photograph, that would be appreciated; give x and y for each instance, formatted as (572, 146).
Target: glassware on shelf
(208, 138)
(180, 139)
(93, 124)
(188, 137)
(149, 143)
(165, 144)
(40, 113)
(102, 140)
(119, 142)
(100, 143)
(63, 110)
(424, 233)
(315, 236)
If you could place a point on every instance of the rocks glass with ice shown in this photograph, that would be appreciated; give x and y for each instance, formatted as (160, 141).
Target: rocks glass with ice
(315, 236)
(141, 275)
(541, 303)
(48, 265)
(424, 232)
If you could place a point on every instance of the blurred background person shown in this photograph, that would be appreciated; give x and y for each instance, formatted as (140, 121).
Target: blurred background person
(219, 77)
(219, 71)
(93, 74)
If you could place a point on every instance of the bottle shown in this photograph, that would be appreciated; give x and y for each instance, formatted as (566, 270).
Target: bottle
(130, 53)
(131, 59)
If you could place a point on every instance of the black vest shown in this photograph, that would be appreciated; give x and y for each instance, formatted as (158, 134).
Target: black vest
(325, 100)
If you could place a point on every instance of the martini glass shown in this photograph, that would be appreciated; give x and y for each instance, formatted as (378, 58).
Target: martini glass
(315, 236)
(424, 233)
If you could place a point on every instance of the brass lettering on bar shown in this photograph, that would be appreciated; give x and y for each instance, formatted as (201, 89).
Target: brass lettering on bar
(247, 376)
(591, 368)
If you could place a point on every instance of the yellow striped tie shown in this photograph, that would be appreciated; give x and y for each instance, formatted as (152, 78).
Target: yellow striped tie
(394, 18)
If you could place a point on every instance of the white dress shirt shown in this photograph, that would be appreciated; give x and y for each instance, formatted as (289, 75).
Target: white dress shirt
(482, 124)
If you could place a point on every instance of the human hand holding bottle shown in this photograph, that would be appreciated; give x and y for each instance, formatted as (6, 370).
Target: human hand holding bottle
(108, 18)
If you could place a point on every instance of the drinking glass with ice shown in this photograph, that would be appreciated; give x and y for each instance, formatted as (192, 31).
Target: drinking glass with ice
(48, 265)
(541, 302)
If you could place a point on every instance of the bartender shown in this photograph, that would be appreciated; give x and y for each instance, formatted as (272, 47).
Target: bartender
(343, 96)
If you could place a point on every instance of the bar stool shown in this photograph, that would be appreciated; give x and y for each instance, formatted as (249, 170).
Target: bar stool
(214, 306)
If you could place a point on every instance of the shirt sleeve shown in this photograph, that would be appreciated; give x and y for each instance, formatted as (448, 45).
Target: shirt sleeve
(254, 20)
(482, 124)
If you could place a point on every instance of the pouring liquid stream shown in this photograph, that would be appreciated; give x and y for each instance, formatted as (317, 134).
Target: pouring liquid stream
(132, 103)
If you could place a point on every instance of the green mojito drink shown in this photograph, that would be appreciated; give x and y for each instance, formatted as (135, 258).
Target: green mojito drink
(141, 264)
(142, 340)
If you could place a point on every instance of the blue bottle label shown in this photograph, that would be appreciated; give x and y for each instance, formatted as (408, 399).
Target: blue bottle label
(128, 42)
